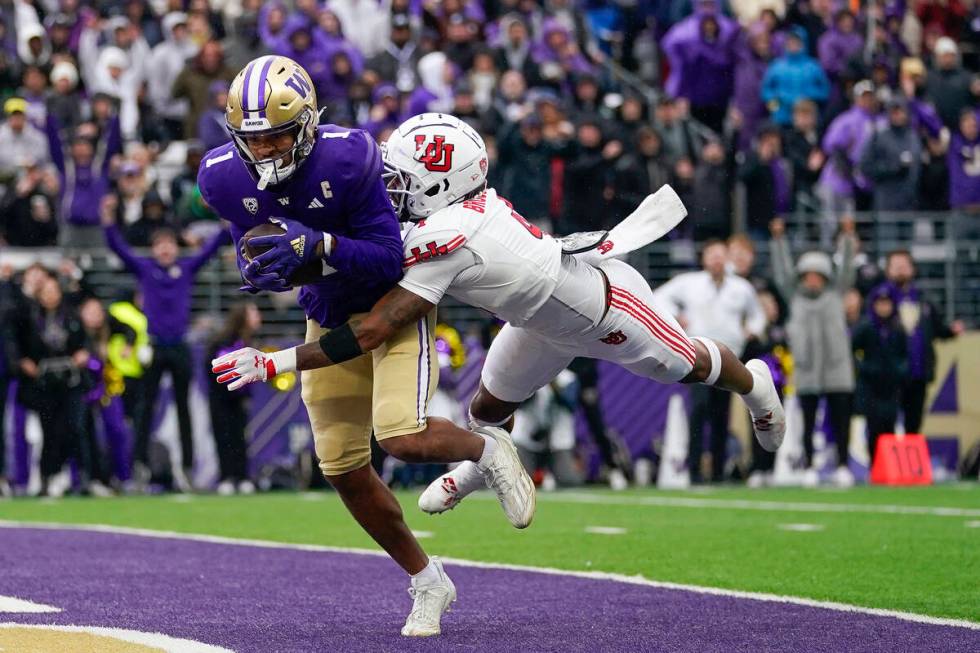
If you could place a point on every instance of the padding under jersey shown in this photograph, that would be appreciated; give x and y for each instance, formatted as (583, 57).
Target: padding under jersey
(483, 253)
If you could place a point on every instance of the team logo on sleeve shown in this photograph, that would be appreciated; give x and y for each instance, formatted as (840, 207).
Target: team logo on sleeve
(433, 250)
(251, 204)
(437, 156)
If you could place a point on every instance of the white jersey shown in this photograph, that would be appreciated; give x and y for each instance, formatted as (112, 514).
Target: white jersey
(485, 254)
(557, 307)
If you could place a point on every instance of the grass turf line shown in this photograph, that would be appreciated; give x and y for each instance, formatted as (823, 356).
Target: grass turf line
(916, 563)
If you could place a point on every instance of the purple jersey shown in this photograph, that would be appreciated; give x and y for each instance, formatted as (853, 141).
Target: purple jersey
(338, 190)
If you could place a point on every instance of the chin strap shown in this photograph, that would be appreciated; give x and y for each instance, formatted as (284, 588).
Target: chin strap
(266, 176)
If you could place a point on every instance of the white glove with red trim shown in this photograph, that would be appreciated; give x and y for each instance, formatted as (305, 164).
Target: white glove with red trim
(248, 365)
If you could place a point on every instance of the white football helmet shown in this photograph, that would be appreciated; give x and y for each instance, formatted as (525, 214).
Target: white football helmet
(431, 161)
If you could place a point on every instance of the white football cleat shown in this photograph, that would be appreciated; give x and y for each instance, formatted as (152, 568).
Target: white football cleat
(769, 421)
(225, 488)
(448, 490)
(431, 601)
(506, 476)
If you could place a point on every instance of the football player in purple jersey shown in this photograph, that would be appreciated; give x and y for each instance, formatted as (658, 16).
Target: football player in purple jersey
(323, 185)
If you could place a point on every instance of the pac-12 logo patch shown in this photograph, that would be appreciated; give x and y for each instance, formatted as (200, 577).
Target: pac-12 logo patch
(614, 338)
(251, 204)
(437, 156)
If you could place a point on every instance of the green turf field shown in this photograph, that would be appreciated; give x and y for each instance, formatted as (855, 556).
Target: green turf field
(865, 546)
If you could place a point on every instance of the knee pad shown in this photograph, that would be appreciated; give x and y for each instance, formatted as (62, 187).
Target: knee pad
(714, 355)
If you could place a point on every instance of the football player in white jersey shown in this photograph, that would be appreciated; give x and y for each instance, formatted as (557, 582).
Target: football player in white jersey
(466, 241)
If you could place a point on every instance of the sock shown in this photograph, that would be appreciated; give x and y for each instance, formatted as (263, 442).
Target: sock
(489, 447)
(474, 422)
(468, 478)
(428, 576)
(755, 397)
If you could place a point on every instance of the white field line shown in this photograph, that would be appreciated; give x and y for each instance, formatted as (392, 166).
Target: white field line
(801, 528)
(593, 575)
(605, 530)
(20, 606)
(746, 504)
(154, 640)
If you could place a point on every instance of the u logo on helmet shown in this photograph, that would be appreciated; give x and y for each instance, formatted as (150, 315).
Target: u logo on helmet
(437, 156)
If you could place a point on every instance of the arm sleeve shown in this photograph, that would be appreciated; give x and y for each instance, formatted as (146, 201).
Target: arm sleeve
(198, 260)
(431, 279)
(120, 248)
(373, 249)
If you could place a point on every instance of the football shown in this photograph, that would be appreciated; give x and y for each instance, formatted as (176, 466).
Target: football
(310, 273)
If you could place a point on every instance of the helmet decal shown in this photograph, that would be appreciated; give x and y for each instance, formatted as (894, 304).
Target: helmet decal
(437, 155)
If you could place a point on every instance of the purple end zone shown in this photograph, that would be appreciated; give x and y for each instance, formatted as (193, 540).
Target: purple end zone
(263, 600)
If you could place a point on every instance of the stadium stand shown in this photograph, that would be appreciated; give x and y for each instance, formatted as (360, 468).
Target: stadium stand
(810, 111)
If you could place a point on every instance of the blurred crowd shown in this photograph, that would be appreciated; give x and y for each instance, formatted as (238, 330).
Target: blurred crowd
(824, 107)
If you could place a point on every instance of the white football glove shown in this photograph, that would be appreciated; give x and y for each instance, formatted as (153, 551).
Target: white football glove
(248, 365)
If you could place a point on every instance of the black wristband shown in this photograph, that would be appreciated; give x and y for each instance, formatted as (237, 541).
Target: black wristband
(340, 344)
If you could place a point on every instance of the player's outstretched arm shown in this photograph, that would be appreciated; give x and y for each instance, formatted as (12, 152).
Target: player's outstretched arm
(397, 309)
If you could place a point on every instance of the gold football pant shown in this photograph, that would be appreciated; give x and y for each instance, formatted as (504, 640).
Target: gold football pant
(386, 390)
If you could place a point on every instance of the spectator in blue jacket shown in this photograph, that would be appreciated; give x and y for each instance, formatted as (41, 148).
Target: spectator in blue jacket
(793, 76)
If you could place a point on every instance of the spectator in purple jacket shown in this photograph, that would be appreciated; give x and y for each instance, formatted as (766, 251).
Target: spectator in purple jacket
(299, 45)
(84, 168)
(385, 112)
(272, 25)
(211, 130)
(752, 58)
(165, 282)
(707, 66)
(843, 145)
(963, 160)
(557, 54)
(687, 32)
(838, 44)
